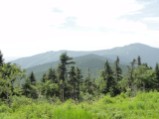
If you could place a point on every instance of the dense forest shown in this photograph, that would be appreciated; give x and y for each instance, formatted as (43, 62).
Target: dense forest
(66, 86)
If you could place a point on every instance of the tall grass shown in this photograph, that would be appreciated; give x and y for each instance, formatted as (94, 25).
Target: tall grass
(143, 106)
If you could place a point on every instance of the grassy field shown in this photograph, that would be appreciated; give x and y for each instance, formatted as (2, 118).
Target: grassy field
(143, 106)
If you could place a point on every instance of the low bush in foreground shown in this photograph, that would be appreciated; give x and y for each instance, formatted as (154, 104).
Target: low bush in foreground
(143, 106)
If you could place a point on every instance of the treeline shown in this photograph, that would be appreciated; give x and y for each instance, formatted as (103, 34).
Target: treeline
(66, 81)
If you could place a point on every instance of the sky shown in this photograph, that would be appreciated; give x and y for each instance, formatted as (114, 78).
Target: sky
(29, 27)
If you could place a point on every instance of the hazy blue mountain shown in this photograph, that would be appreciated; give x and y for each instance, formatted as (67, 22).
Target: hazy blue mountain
(92, 61)
(126, 54)
(148, 54)
(43, 58)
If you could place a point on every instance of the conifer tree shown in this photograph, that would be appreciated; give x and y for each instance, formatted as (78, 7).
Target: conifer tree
(107, 76)
(1, 58)
(117, 77)
(65, 60)
(9, 74)
(52, 76)
(157, 76)
(29, 87)
(130, 73)
(44, 78)
(78, 82)
(139, 60)
(32, 78)
(74, 82)
(118, 70)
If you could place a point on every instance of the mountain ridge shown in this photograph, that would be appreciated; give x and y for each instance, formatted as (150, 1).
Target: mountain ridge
(125, 53)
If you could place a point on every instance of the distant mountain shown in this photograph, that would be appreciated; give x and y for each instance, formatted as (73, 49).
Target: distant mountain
(43, 58)
(91, 60)
(127, 53)
(90, 63)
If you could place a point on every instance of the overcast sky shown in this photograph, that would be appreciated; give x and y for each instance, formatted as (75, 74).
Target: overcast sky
(28, 27)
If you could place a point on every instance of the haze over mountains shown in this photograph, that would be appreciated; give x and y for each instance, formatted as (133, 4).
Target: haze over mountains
(92, 60)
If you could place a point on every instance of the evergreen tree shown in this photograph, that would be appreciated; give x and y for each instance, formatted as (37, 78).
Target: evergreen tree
(49, 85)
(26, 88)
(9, 74)
(139, 60)
(157, 76)
(74, 82)
(117, 77)
(107, 76)
(130, 73)
(29, 87)
(144, 78)
(32, 78)
(44, 78)
(1, 58)
(78, 82)
(65, 60)
(118, 70)
(52, 75)
(89, 86)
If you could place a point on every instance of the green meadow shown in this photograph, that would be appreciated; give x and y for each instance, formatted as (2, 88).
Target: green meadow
(142, 106)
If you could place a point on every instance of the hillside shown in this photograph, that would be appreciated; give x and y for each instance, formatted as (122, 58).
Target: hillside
(43, 58)
(88, 64)
(126, 54)
(90, 61)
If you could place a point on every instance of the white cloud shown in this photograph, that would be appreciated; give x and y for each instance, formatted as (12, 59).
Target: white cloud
(96, 13)
(33, 26)
(151, 19)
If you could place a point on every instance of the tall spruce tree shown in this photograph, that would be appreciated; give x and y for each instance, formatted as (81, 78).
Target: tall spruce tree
(32, 78)
(71, 83)
(157, 76)
(131, 69)
(44, 78)
(139, 60)
(65, 60)
(74, 82)
(29, 87)
(117, 77)
(78, 82)
(1, 58)
(107, 76)
(118, 70)
(52, 75)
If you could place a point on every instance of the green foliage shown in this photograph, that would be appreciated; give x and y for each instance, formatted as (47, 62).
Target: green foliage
(29, 88)
(49, 89)
(10, 76)
(52, 76)
(65, 60)
(144, 78)
(108, 77)
(63, 93)
(32, 79)
(118, 70)
(73, 83)
(143, 106)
